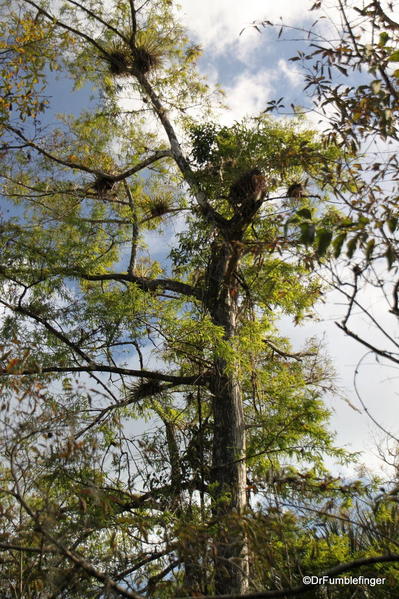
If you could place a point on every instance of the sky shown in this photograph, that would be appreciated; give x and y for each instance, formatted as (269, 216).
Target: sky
(253, 68)
(244, 62)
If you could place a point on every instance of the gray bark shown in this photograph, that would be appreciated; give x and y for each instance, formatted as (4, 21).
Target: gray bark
(228, 459)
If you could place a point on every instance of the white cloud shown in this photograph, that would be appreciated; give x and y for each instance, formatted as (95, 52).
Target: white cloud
(247, 95)
(249, 92)
(217, 23)
(292, 73)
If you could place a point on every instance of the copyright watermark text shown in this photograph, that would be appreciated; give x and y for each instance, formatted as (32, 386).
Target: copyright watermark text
(343, 580)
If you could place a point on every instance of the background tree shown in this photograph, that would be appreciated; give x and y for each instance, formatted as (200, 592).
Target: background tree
(101, 328)
(366, 113)
(350, 72)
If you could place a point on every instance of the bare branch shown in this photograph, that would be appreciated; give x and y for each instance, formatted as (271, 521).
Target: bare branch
(134, 22)
(296, 356)
(395, 307)
(99, 19)
(355, 385)
(141, 165)
(177, 152)
(381, 352)
(143, 562)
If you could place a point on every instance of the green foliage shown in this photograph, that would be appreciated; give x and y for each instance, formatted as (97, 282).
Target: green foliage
(282, 150)
(353, 81)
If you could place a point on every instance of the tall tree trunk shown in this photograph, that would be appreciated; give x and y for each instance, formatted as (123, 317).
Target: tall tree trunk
(229, 476)
(228, 460)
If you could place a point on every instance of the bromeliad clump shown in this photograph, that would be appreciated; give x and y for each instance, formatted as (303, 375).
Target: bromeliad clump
(119, 61)
(250, 186)
(145, 59)
(159, 206)
(124, 61)
(103, 185)
(145, 388)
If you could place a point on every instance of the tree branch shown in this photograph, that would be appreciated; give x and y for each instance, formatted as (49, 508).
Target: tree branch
(75, 165)
(144, 374)
(134, 22)
(384, 17)
(385, 354)
(143, 283)
(210, 213)
(19, 309)
(141, 165)
(152, 557)
(153, 580)
(91, 366)
(395, 307)
(365, 408)
(296, 356)
(117, 405)
(47, 154)
(99, 19)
